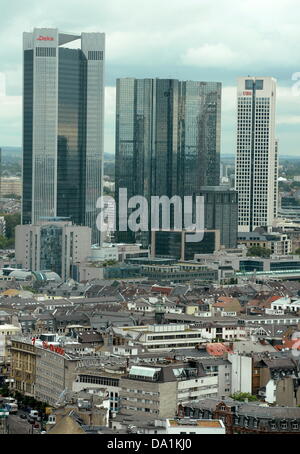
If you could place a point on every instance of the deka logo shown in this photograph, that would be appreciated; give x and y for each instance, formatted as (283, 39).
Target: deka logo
(45, 38)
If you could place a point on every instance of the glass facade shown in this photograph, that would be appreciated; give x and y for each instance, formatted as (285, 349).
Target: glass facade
(221, 213)
(71, 134)
(170, 244)
(251, 265)
(27, 136)
(51, 249)
(63, 127)
(167, 139)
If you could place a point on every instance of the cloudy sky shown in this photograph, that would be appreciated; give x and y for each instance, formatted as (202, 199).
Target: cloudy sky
(215, 40)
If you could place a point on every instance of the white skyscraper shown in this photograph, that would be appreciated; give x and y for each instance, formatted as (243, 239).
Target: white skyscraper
(257, 153)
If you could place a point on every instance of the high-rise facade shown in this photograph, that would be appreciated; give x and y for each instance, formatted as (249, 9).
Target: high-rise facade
(52, 244)
(167, 138)
(257, 153)
(63, 118)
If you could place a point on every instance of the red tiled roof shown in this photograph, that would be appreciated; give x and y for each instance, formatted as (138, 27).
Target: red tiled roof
(165, 290)
(217, 349)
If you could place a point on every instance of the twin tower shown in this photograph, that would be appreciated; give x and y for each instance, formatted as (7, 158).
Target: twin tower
(63, 118)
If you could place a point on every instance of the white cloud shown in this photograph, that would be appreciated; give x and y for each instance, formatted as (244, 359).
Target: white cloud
(210, 55)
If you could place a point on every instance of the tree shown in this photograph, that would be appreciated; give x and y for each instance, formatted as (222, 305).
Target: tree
(258, 251)
(11, 220)
(242, 397)
(297, 251)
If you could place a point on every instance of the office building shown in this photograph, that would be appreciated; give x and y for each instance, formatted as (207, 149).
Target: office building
(221, 213)
(52, 244)
(174, 244)
(158, 390)
(257, 153)
(63, 115)
(11, 186)
(167, 139)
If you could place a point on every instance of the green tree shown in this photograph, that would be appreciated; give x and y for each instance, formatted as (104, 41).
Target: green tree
(242, 397)
(258, 251)
(12, 220)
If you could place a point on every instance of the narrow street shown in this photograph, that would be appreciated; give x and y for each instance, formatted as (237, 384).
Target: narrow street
(16, 425)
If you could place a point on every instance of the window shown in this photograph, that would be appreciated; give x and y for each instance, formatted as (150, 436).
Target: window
(259, 85)
(45, 51)
(95, 55)
(249, 85)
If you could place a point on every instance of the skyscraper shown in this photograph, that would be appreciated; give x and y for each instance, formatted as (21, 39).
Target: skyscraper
(167, 138)
(63, 118)
(257, 153)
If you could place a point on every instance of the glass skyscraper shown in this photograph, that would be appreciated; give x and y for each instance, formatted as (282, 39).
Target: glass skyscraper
(167, 138)
(63, 118)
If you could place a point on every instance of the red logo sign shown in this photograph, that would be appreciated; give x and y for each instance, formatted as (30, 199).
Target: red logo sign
(45, 38)
(53, 348)
(247, 93)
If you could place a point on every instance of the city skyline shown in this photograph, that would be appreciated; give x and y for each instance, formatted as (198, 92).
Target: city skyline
(184, 48)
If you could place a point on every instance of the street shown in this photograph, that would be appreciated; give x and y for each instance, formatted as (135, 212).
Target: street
(16, 425)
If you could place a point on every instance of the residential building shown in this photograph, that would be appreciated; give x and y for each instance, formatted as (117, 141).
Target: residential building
(279, 244)
(244, 417)
(6, 332)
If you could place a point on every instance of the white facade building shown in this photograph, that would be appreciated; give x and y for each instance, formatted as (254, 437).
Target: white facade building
(257, 153)
(52, 245)
(241, 373)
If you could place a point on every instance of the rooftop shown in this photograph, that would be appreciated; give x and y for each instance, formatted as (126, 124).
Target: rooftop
(195, 422)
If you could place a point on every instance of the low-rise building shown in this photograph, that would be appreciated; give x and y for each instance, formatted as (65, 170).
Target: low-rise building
(161, 337)
(194, 427)
(245, 418)
(158, 389)
(6, 333)
(23, 365)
